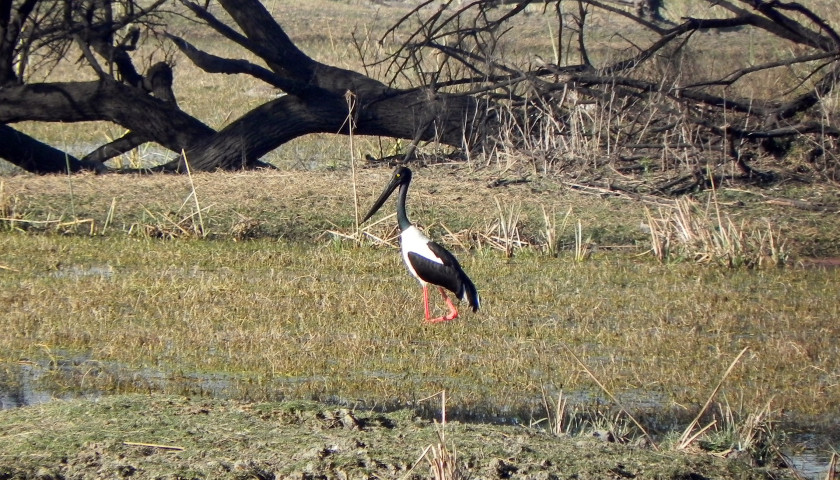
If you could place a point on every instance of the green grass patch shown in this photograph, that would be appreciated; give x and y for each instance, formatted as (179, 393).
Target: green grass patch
(270, 319)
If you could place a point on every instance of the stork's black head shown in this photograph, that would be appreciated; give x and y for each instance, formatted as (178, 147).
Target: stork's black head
(401, 176)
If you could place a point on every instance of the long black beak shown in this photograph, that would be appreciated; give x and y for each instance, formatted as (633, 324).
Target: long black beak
(395, 182)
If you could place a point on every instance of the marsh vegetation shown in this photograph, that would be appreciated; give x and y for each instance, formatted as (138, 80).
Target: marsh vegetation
(265, 298)
(674, 327)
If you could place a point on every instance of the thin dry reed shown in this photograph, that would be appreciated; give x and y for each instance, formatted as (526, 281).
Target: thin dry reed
(707, 235)
(689, 436)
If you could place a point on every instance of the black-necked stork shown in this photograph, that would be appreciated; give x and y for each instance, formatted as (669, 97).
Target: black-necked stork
(429, 262)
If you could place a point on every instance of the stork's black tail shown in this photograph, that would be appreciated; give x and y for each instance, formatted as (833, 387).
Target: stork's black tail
(469, 291)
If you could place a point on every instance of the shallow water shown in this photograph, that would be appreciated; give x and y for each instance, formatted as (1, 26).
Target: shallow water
(31, 383)
(811, 465)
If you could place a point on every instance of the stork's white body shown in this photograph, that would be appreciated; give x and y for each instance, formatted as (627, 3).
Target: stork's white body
(413, 240)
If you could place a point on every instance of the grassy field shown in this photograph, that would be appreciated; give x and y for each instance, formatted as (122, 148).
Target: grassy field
(258, 286)
(105, 278)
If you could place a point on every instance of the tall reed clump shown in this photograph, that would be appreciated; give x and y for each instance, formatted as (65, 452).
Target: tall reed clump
(187, 221)
(731, 432)
(506, 232)
(7, 209)
(443, 461)
(550, 136)
(736, 432)
(690, 231)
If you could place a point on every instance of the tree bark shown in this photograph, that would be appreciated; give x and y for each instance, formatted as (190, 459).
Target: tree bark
(320, 98)
(104, 100)
(33, 155)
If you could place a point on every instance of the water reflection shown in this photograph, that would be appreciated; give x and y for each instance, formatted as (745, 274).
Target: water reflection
(31, 383)
(811, 465)
(23, 390)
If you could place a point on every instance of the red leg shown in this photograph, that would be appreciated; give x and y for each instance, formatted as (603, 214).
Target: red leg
(426, 301)
(453, 312)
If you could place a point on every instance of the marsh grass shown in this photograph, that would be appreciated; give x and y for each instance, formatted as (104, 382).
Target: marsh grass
(504, 234)
(279, 319)
(616, 427)
(184, 223)
(688, 435)
(273, 309)
(706, 235)
(215, 438)
(734, 432)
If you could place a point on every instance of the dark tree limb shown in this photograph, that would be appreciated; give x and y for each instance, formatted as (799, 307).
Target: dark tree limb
(124, 144)
(277, 62)
(267, 40)
(104, 100)
(11, 23)
(808, 100)
(35, 156)
(457, 100)
(316, 98)
(215, 64)
(736, 75)
(158, 81)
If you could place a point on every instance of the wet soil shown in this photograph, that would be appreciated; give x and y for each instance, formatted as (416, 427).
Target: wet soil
(171, 437)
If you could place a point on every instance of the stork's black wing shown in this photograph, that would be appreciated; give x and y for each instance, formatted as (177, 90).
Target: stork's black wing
(449, 275)
(443, 254)
(436, 273)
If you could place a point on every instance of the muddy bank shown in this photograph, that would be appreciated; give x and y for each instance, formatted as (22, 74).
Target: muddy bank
(155, 436)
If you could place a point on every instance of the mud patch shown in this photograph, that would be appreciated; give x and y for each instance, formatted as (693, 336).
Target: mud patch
(155, 436)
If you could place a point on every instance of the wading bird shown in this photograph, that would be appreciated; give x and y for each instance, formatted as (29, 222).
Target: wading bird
(427, 261)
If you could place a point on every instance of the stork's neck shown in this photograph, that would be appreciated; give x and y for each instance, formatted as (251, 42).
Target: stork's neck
(402, 217)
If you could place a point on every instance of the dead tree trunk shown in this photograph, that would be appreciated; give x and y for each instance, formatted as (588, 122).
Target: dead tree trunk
(319, 98)
(578, 108)
(33, 155)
